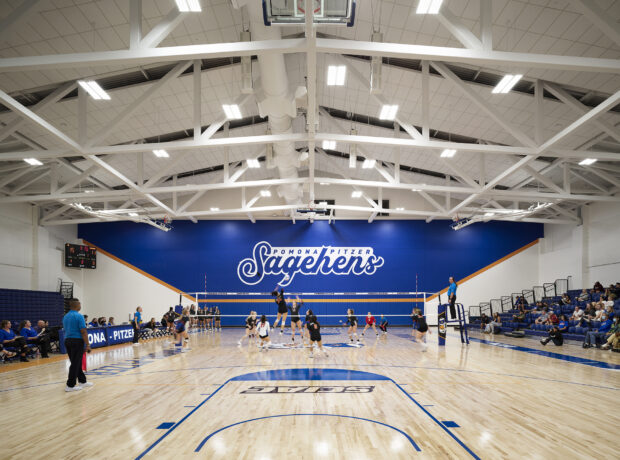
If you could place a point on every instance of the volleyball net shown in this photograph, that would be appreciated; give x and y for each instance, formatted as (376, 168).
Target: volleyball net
(329, 307)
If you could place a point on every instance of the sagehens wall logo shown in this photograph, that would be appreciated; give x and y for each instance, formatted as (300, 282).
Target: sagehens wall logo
(306, 260)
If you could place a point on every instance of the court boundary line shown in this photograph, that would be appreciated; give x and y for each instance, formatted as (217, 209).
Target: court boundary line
(204, 441)
(161, 438)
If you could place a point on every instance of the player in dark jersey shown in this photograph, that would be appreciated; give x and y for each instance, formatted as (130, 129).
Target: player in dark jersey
(250, 327)
(180, 333)
(217, 318)
(282, 308)
(306, 331)
(294, 308)
(414, 324)
(422, 328)
(209, 317)
(315, 336)
(352, 323)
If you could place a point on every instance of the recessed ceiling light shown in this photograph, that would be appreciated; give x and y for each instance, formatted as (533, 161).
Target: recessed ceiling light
(506, 83)
(356, 194)
(428, 6)
(232, 111)
(161, 153)
(215, 209)
(448, 153)
(388, 112)
(33, 161)
(369, 164)
(189, 6)
(253, 163)
(587, 161)
(265, 193)
(336, 75)
(93, 88)
(329, 145)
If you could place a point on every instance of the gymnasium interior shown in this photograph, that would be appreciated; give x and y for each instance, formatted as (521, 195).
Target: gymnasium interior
(316, 229)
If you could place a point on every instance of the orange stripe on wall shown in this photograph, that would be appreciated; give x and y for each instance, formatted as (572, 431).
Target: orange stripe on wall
(484, 269)
(142, 272)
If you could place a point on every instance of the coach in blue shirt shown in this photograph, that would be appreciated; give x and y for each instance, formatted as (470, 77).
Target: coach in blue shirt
(75, 338)
(452, 296)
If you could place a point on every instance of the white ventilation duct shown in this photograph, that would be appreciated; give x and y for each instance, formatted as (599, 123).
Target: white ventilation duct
(275, 100)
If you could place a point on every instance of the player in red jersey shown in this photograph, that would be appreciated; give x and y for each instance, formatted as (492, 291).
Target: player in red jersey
(370, 322)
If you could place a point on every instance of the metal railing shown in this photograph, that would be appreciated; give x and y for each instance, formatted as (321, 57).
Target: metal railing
(474, 311)
(496, 306)
(549, 289)
(506, 303)
(561, 286)
(528, 294)
(539, 293)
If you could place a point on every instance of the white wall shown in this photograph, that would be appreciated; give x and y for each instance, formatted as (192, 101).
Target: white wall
(515, 274)
(114, 289)
(589, 252)
(31, 257)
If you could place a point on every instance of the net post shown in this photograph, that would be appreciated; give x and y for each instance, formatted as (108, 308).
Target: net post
(441, 324)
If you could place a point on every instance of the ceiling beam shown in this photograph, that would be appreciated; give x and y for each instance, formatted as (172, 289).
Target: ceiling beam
(599, 18)
(13, 19)
(458, 29)
(162, 29)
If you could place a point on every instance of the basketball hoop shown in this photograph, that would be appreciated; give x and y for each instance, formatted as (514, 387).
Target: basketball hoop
(317, 8)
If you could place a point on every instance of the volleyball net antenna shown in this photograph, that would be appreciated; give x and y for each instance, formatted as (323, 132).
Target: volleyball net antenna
(329, 307)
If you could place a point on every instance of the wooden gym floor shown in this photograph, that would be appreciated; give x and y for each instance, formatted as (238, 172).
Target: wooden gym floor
(496, 398)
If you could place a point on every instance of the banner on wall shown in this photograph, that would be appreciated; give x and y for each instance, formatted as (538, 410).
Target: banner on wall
(288, 262)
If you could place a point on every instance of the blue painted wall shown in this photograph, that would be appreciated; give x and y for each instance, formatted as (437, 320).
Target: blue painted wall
(182, 256)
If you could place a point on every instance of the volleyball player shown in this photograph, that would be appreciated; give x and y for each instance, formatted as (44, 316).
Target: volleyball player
(352, 322)
(217, 317)
(180, 333)
(295, 319)
(250, 327)
(315, 336)
(209, 318)
(383, 324)
(414, 324)
(192, 314)
(263, 333)
(306, 330)
(370, 322)
(422, 328)
(202, 322)
(282, 308)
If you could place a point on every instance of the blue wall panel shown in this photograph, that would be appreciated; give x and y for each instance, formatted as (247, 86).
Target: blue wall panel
(183, 256)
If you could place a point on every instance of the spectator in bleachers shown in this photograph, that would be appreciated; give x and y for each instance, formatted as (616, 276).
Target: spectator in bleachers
(8, 339)
(111, 321)
(565, 300)
(563, 324)
(577, 314)
(86, 320)
(597, 336)
(484, 320)
(520, 316)
(101, 322)
(613, 340)
(32, 337)
(584, 296)
(94, 323)
(543, 318)
(588, 315)
(554, 335)
(553, 319)
(598, 287)
(494, 325)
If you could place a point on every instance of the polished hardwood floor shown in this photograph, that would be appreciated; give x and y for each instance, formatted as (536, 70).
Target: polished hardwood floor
(387, 399)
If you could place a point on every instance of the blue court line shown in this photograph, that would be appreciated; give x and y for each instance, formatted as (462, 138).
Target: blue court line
(450, 424)
(161, 438)
(295, 415)
(550, 354)
(165, 426)
(278, 374)
(441, 425)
